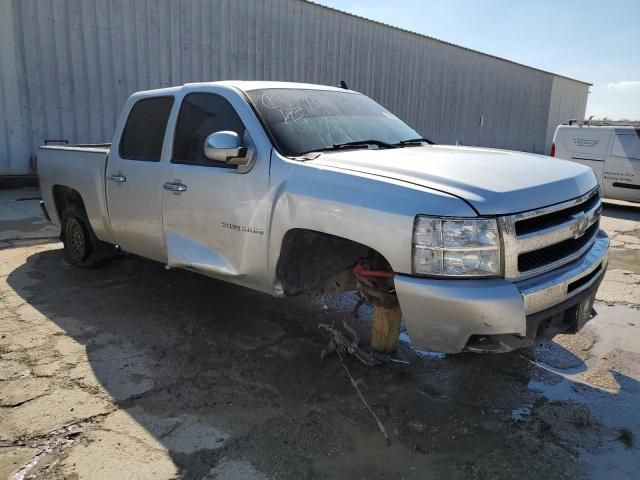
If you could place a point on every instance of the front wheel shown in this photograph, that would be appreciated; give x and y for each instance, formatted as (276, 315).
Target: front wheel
(81, 246)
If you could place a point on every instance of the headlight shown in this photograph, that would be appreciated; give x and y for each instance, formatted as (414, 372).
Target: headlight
(456, 247)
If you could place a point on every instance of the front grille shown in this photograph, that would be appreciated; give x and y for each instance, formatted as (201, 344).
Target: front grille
(584, 280)
(554, 253)
(533, 224)
(540, 240)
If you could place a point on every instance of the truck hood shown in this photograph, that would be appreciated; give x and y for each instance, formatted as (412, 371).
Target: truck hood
(494, 182)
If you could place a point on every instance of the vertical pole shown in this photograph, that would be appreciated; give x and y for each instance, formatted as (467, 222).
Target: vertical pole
(385, 331)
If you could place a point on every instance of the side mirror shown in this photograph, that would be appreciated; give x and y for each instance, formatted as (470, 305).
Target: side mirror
(225, 147)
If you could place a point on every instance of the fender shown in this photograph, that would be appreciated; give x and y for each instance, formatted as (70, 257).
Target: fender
(351, 205)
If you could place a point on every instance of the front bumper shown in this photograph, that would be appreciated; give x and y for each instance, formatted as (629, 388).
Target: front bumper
(451, 316)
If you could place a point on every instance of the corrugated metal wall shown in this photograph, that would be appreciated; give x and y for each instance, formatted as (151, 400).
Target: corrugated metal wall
(568, 101)
(67, 66)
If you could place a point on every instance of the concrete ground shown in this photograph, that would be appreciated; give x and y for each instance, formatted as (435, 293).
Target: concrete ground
(21, 218)
(132, 371)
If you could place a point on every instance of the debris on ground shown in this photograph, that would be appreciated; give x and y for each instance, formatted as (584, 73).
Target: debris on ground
(627, 437)
(340, 344)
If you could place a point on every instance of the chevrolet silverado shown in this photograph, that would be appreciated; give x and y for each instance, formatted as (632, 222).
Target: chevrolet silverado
(305, 189)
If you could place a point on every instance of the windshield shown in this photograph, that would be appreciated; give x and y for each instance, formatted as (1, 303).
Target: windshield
(302, 120)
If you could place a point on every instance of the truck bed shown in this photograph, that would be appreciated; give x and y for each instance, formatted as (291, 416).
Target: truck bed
(80, 167)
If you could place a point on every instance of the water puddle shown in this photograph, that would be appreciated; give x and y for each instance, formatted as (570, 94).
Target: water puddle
(404, 337)
(609, 384)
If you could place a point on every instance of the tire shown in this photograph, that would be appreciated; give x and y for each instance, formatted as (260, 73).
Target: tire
(81, 246)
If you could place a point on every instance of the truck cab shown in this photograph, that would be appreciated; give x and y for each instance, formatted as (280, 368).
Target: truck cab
(169, 202)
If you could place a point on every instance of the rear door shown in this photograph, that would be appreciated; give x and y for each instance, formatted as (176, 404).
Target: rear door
(622, 168)
(135, 176)
(588, 146)
(217, 223)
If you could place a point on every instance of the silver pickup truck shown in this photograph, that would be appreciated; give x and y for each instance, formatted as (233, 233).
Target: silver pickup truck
(293, 188)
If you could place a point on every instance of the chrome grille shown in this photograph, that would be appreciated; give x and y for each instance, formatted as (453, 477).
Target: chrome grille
(548, 255)
(541, 240)
(540, 222)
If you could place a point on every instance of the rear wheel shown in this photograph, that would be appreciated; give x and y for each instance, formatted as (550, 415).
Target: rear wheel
(81, 246)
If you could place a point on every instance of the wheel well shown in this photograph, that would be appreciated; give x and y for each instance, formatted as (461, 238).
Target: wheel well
(65, 196)
(314, 262)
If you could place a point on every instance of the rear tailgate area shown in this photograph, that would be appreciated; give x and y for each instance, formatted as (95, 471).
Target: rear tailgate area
(81, 168)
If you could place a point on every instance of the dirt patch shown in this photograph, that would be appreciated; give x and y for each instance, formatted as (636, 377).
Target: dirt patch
(620, 286)
(624, 259)
(89, 459)
(46, 413)
(567, 351)
(12, 459)
(568, 423)
(18, 391)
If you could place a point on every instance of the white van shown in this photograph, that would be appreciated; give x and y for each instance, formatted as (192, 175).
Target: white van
(613, 152)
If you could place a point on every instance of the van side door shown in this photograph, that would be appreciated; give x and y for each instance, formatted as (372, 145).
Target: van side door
(622, 168)
(215, 214)
(587, 146)
(134, 177)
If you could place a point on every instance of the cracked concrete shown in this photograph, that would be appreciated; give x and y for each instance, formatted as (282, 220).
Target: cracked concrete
(134, 372)
(623, 276)
(21, 218)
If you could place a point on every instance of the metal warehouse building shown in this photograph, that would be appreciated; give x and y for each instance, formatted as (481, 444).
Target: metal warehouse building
(67, 66)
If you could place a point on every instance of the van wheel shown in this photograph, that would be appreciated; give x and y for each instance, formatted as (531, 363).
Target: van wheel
(81, 246)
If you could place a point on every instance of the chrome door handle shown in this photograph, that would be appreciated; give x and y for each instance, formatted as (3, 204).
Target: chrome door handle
(175, 187)
(118, 178)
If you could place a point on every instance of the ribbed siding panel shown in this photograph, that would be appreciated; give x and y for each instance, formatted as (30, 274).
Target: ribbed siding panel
(568, 101)
(67, 66)
(15, 145)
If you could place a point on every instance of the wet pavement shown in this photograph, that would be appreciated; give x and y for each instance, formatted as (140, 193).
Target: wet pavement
(132, 371)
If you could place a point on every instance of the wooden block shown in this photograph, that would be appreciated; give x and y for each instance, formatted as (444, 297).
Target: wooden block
(385, 331)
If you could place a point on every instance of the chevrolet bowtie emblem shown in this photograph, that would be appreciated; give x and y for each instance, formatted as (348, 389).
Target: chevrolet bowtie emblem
(581, 225)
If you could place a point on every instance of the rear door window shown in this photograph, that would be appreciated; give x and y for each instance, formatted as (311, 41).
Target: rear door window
(626, 145)
(145, 128)
(202, 114)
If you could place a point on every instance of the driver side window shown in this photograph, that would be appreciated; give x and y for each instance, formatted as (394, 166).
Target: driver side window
(202, 114)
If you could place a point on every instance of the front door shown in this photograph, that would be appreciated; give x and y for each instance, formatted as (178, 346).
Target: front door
(135, 177)
(215, 214)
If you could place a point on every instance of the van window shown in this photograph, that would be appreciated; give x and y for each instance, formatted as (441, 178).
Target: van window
(626, 145)
(144, 131)
(202, 114)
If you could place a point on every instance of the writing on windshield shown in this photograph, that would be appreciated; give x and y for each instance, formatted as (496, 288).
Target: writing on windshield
(303, 120)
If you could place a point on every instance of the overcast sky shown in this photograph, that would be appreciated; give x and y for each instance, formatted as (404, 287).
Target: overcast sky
(591, 40)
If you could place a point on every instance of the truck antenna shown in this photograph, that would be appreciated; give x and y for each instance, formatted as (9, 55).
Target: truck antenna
(343, 84)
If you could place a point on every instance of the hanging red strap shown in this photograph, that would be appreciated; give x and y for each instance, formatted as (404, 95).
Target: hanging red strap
(365, 272)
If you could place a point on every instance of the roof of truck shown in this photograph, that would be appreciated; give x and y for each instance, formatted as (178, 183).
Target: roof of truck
(242, 85)
(247, 85)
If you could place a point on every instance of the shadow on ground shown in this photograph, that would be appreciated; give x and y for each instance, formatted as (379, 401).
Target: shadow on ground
(226, 378)
(621, 211)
